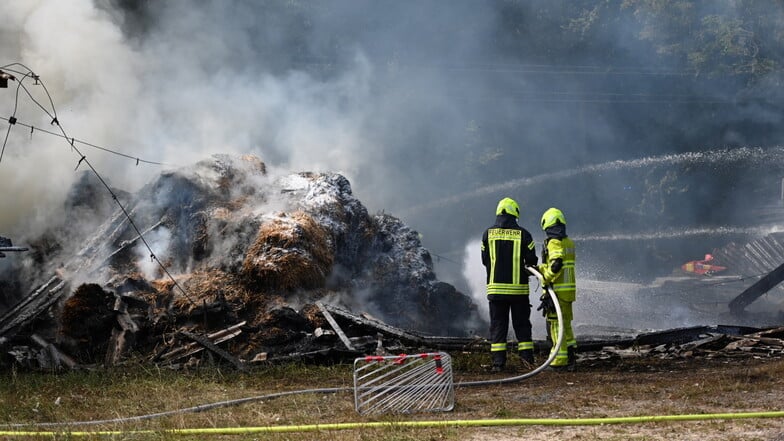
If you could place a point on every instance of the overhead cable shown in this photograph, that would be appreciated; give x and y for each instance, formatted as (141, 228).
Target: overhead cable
(83, 158)
(79, 141)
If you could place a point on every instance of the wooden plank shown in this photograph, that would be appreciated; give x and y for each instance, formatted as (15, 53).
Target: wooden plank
(750, 294)
(214, 349)
(335, 326)
(435, 342)
(21, 304)
(375, 324)
(33, 306)
(216, 338)
(125, 244)
(66, 360)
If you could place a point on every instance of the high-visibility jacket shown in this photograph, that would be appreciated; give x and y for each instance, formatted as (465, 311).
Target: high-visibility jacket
(507, 249)
(563, 280)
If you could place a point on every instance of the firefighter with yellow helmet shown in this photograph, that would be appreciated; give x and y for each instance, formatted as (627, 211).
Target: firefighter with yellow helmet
(557, 267)
(507, 249)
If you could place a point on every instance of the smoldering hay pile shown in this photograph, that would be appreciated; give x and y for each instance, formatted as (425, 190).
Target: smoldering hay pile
(250, 257)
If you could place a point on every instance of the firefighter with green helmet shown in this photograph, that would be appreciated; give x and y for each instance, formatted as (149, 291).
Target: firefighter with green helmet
(557, 268)
(507, 249)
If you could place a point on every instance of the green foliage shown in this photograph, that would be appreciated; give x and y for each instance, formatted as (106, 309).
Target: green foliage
(726, 46)
(713, 37)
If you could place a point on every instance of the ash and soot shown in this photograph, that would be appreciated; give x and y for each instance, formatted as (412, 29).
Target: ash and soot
(235, 246)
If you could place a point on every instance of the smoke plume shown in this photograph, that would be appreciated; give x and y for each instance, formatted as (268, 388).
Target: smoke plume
(433, 110)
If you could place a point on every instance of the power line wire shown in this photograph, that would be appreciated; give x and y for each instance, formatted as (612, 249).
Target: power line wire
(573, 69)
(53, 115)
(75, 140)
(83, 158)
(32, 74)
(12, 119)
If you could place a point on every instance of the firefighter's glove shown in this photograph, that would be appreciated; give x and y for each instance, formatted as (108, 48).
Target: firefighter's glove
(546, 304)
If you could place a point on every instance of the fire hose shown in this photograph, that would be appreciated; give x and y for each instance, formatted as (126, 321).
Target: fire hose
(360, 425)
(547, 290)
(411, 424)
(209, 406)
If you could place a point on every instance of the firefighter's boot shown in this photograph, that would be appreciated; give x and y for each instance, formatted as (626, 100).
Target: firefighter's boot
(527, 358)
(499, 361)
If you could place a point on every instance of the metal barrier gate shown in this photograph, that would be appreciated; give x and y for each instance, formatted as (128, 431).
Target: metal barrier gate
(403, 383)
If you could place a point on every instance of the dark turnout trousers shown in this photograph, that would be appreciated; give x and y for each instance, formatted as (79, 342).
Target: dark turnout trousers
(501, 307)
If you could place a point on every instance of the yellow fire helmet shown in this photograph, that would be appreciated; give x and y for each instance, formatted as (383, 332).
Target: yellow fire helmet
(508, 206)
(551, 217)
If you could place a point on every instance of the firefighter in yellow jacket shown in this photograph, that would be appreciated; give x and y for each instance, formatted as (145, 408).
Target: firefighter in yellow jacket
(557, 267)
(507, 249)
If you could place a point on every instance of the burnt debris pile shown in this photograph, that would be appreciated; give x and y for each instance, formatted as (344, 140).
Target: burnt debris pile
(233, 264)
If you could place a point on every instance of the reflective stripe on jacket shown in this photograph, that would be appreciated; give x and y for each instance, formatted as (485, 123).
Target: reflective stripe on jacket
(506, 249)
(563, 281)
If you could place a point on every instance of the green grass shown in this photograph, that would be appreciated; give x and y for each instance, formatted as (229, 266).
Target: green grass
(618, 389)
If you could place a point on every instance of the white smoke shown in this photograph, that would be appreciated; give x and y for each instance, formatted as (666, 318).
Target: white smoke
(168, 99)
(91, 75)
(440, 114)
(474, 273)
(159, 241)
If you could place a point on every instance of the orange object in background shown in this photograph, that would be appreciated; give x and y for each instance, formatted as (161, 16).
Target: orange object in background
(702, 267)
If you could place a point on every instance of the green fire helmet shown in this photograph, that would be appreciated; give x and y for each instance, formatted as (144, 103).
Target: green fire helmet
(551, 217)
(508, 206)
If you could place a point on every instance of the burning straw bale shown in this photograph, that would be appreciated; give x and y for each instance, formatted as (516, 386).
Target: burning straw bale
(289, 253)
(237, 262)
(282, 325)
(226, 297)
(211, 285)
(314, 316)
(232, 175)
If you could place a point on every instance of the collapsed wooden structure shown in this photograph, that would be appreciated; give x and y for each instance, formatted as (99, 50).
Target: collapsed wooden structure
(708, 342)
(7, 247)
(763, 258)
(346, 336)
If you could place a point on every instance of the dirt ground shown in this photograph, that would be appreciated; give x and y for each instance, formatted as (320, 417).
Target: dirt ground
(636, 387)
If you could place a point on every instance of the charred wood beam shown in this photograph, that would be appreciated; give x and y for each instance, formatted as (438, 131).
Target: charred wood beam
(331, 354)
(126, 243)
(31, 306)
(7, 247)
(773, 332)
(335, 326)
(122, 335)
(684, 335)
(456, 343)
(374, 324)
(58, 356)
(434, 342)
(109, 234)
(118, 342)
(752, 293)
(4, 250)
(192, 348)
(14, 311)
(96, 242)
(214, 349)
